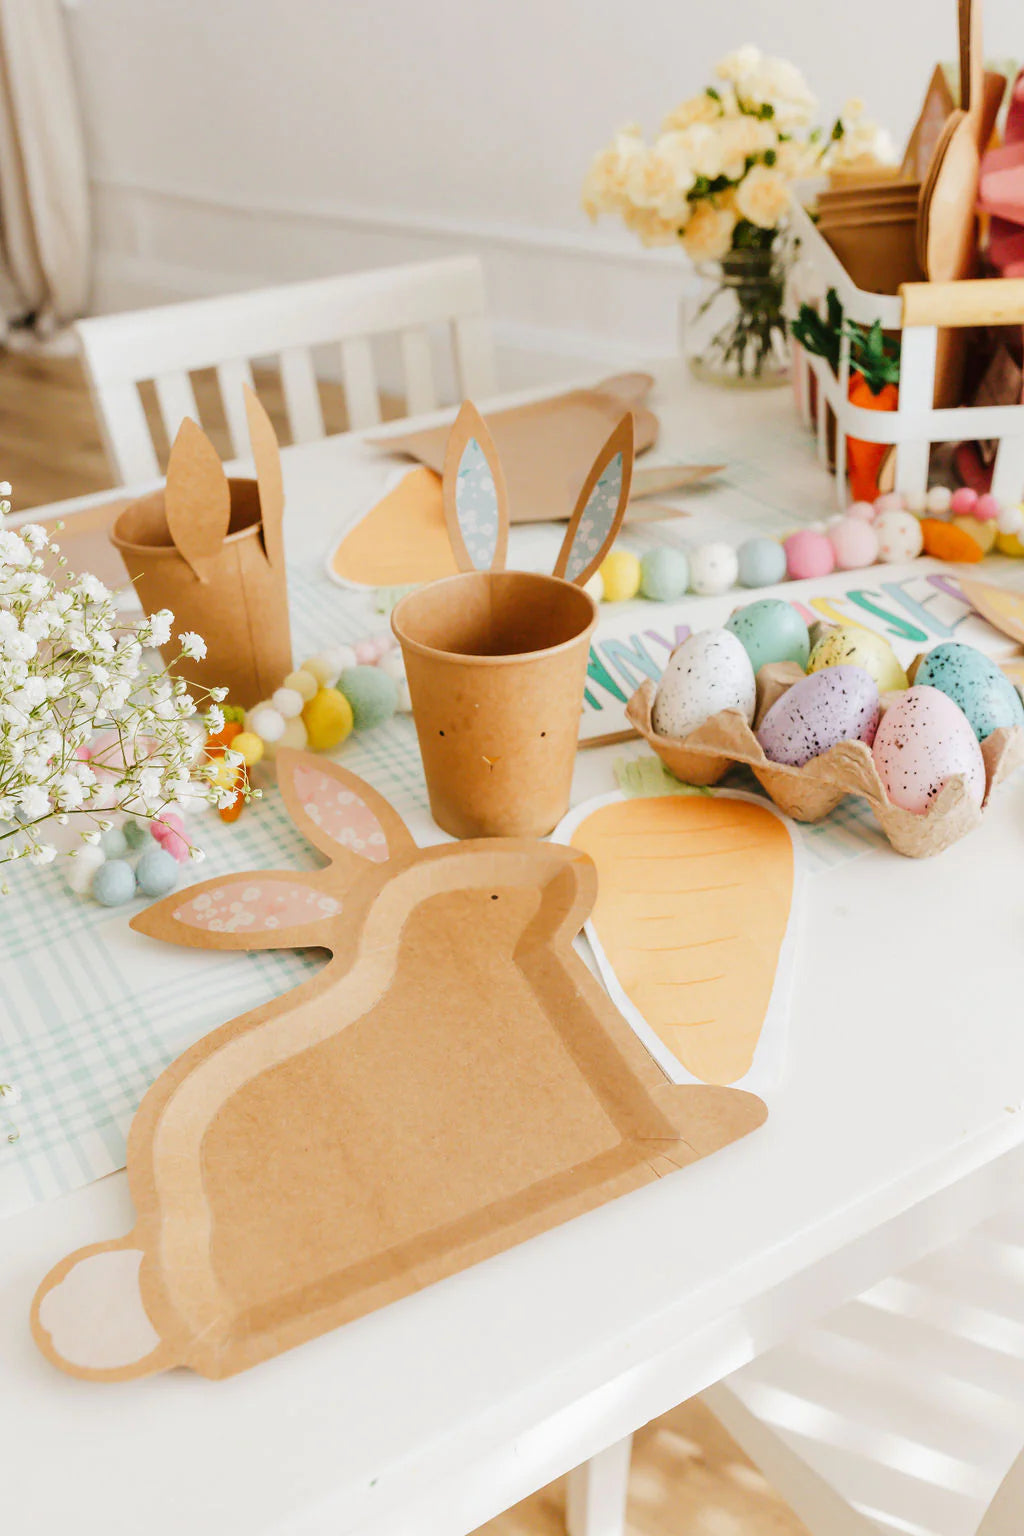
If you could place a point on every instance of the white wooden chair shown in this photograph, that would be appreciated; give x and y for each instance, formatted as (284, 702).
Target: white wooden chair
(165, 344)
(901, 1413)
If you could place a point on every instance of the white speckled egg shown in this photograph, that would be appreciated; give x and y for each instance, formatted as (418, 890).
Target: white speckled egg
(819, 711)
(899, 536)
(710, 671)
(714, 568)
(923, 741)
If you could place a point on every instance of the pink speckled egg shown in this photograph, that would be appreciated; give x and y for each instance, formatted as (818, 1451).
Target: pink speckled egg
(861, 509)
(923, 741)
(964, 502)
(808, 554)
(854, 543)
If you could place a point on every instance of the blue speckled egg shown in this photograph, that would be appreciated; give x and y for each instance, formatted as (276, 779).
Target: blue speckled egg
(770, 630)
(975, 684)
(836, 704)
(762, 563)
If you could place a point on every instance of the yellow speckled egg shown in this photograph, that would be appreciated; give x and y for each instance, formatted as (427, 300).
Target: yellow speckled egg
(1010, 544)
(849, 645)
(982, 532)
(328, 718)
(620, 576)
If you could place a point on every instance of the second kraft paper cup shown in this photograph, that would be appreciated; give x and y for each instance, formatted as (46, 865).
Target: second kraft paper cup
(496, 663)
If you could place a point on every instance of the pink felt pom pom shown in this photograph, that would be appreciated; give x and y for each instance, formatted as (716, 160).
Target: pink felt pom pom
(861, 509)
(987, 508)
(808, 554)
(891, 501)
(169, 832)
(366, 653)
(855, 543)
(964, 502)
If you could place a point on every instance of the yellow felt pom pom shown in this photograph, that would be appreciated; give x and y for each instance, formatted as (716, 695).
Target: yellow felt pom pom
(223, 773)
(250, 747)
(328, 719)
(304, 683)
(620, 575)
(1010, 544)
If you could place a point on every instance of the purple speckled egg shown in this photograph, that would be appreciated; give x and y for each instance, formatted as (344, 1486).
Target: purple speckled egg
(833, 705)
(923, 740)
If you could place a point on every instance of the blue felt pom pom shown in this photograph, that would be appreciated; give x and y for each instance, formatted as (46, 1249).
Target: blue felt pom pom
(157, 872)
(114, 883)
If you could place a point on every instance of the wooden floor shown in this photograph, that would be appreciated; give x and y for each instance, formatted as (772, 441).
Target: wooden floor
(689, 1478)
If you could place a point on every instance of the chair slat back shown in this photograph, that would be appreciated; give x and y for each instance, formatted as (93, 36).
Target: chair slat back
(169, 343)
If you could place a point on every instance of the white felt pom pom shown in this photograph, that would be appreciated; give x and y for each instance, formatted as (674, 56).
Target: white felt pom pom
(393, 664)
(938, 499)
(1010, 520)
(328, 665)
(78, 871)
(266, 722)
(288, 702)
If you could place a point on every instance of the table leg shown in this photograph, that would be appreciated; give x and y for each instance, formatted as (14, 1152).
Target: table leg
(596, 1501)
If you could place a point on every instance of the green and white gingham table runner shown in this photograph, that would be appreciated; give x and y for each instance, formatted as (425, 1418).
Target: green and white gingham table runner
(91, 1013)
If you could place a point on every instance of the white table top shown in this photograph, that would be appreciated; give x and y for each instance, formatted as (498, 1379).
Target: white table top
(898, 1123)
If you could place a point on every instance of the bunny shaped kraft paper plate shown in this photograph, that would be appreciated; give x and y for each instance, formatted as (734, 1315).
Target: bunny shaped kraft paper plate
(452, 1082)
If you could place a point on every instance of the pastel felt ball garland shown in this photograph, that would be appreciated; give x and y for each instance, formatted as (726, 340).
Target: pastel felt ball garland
(105, 869)
(335, 692)
(959, 526)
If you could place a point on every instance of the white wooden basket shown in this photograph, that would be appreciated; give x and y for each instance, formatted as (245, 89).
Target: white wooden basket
(917, 312)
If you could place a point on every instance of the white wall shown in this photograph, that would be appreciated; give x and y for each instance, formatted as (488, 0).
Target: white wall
(235, 141)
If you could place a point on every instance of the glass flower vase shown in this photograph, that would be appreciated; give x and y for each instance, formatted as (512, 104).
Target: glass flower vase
(733, 330)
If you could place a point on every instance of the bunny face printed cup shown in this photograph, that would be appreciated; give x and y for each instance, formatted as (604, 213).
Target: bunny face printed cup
(380, 1126)
(496, 660)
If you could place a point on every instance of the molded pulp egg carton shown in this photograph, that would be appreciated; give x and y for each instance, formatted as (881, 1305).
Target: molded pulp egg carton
(811, 792)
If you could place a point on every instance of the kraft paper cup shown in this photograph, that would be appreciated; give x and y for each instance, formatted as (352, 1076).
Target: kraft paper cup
(496, 663)
(240, 609)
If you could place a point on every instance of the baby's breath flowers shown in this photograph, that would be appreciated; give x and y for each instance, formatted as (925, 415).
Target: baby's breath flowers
(10, 1094)
(88, 726)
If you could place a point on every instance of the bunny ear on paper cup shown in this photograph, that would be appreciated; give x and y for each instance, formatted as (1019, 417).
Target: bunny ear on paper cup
(197, 501)
(595, 523)
(475, 495)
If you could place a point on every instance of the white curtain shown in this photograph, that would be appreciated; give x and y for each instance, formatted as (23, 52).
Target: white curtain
(44, 189)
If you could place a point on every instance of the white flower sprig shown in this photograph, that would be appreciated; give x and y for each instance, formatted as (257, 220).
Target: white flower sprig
(88, 725)
(10, 1095)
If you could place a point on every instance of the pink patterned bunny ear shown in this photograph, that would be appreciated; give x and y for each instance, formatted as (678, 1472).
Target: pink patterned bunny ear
(265, 909)
(595, 523)
(339, 813)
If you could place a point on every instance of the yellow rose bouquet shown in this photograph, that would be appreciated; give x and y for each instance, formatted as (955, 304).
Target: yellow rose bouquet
(717, 180)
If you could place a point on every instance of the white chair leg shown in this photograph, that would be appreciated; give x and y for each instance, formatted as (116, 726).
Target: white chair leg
(596, 1503)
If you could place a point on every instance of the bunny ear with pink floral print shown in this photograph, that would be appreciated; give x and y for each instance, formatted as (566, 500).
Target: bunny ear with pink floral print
(338, 812)
(595, 523)
(267, 909)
